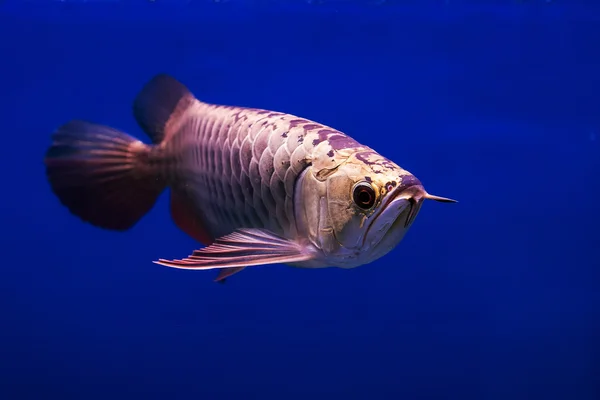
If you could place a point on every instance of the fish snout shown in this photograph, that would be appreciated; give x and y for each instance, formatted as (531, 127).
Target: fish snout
(413, 191)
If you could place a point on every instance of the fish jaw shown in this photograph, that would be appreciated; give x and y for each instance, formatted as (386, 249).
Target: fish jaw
(382, 235)
(389, 228)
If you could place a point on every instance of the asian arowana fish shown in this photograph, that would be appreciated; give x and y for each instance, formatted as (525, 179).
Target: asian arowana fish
(254, 186)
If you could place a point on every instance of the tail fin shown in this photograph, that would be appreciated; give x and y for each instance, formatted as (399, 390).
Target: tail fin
(102, 175)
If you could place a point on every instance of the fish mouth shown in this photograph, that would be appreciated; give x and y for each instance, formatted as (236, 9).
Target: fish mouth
(393, 209)
(396, 203)
(413, 194)
(415, 206)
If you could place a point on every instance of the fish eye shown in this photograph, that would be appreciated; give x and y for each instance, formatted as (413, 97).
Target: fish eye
(364, 195)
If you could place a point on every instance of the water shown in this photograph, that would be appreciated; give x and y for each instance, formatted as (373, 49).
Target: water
(497, 297)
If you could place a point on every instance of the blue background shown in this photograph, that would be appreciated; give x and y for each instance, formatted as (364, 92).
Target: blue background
(497, 297)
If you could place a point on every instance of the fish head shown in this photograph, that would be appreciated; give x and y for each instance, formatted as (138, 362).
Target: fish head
(368, 204)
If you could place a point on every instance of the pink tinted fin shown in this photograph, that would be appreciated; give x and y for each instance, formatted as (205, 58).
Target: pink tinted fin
(102, 175)
(243, 248)
(160, 106)
(226, 273)
(188, 220)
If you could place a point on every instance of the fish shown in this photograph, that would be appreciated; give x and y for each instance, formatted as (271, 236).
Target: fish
(254, 187)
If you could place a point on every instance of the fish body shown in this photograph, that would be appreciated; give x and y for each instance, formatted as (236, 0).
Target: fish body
(254, 186)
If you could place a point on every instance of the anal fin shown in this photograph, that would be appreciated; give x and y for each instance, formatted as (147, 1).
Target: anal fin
(244, 248)
(188, 220)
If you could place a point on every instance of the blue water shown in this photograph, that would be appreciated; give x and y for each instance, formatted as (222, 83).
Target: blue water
(496, 297)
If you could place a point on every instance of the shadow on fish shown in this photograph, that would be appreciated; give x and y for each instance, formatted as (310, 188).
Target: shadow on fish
(253, 186)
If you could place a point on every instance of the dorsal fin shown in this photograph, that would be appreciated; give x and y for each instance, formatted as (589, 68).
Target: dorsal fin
(188, 220)
(160, 105)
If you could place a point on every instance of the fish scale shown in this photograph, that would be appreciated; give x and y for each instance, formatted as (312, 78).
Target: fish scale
(248, 162)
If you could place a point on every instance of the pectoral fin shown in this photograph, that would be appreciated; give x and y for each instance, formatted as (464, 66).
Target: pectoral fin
(244, 248)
